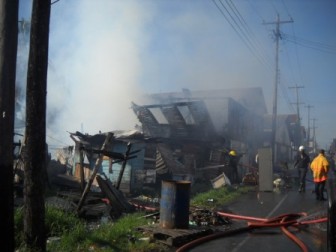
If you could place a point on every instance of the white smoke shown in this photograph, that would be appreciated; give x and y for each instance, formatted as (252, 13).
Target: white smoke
(104, 54)
(95, 64)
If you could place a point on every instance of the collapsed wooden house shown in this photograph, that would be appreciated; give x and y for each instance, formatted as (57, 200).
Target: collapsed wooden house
(199, 126)
(186, 139)
(135, 160)
(189, 138)
(121, 159)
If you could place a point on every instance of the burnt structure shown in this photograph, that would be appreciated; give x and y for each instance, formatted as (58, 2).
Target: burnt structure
(194, 140)
(198, 128)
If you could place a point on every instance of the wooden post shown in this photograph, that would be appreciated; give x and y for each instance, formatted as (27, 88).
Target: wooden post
(94, 173)
(9, 10)
(81, 167)
(36, 106)
(129, 145)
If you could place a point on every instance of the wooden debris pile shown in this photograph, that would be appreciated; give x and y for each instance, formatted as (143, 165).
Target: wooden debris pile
(202, 222)
(204, 217)
(175, 237)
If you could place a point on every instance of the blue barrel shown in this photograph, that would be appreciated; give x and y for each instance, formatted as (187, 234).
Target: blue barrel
(174, 204)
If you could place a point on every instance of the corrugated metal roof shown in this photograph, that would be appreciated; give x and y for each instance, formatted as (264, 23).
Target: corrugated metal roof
(166, 162)
(251, 98)
(183, 120)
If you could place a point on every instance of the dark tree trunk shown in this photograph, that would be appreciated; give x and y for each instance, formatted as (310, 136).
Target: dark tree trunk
(8, 50)
(35, 151)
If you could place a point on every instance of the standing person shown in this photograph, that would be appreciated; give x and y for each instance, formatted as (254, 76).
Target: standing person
(256, 160)
(302, 161)
(233, 166)
(320, 168)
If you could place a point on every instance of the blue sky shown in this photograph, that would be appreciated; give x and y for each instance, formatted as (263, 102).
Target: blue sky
(103, 54)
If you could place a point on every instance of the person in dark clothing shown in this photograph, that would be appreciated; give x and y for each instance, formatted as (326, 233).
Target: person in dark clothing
(233, 166)
(302, 161)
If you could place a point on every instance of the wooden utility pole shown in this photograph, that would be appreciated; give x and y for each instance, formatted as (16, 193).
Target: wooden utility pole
(314, 136)
(298, 131)
(277, 35)
(308, 130)
(8, 50)
(36, 152)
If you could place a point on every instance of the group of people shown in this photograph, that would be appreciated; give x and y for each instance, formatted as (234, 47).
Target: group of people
(319, 167)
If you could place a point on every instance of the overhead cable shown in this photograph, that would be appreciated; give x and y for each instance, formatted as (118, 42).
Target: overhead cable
(310, 44)
(239, 32)
(253, 39)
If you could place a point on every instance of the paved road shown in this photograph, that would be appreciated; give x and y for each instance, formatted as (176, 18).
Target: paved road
(271, 204)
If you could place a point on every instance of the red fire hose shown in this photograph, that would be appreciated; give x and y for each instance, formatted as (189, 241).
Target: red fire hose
(283, 221)
(293, 237)
(138, 206)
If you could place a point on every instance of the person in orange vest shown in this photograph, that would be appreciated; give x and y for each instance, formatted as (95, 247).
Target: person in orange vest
(320, 168)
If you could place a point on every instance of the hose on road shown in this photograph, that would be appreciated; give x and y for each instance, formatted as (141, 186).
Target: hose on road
(283, 221)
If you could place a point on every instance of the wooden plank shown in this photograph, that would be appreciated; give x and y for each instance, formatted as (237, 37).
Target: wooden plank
(129, 146)
(95, 170)
(176, 237)
(116, 198)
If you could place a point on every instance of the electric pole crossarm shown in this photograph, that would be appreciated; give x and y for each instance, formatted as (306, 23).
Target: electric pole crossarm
(278, 22)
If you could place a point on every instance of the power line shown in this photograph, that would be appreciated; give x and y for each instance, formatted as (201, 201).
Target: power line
(283, 3)
(296, 87)
(254, 41)
(56, 140)
(324, 45)
(296, 52)
(297, 59)
(255, 10)
(292, 72)
(310, 44)
(239, 17)
(54, 2)
(286, 96)
(228, 20)
(239, 31)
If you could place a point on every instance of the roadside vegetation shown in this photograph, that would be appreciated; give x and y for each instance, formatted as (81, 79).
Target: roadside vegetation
(66, 232)
(218, 197)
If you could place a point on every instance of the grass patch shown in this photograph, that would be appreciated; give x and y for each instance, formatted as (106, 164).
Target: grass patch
(217, 197)
(72, 234)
